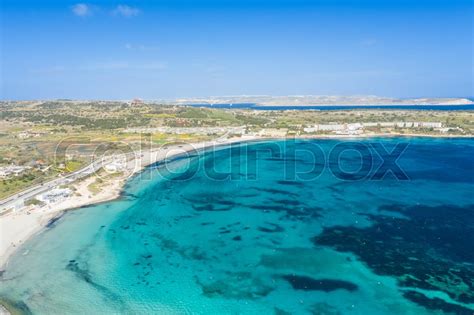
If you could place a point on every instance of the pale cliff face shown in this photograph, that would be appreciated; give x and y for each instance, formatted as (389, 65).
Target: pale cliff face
(302, 100)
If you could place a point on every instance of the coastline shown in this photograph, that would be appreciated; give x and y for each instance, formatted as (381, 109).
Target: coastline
(381, 105)
(18, 227)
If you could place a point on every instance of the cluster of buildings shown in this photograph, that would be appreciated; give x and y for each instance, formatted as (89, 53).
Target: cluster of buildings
(404, 124)
(115, 166)
(30, 134)
(336, 128)
(12, 170)
(136, 102)
(55, 195)
(358, 128)
(191, 130)
(272, 132)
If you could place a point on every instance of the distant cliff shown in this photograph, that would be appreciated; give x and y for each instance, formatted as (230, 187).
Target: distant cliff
(310, 100)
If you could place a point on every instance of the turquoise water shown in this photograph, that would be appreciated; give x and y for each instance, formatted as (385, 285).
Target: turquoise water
(267, 228)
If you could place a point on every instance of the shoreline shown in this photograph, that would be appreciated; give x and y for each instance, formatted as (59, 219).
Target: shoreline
(18, 227)
(339, 106)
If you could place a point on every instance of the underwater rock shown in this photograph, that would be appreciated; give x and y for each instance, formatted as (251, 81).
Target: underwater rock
(323, 309)
(326, 285)
(426, 251)
(52, 222)
(241, 285)
(437, 304)
(290, 183)
(274, 228)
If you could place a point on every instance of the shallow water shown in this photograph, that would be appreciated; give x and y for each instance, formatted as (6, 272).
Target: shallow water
(267, 228)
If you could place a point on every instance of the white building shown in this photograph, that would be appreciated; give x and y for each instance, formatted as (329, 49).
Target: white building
(12, 170)
(431, 124)
(310, 129)
(241, 130)
(330, 127)
(401, 124)
(55, 195)
(115, 166)
(273, 132)
(337, 128)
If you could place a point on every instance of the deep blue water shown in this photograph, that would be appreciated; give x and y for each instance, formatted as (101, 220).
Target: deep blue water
(377, 226)
(337, 107)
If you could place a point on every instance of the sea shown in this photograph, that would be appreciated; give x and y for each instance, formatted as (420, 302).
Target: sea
(372, 226)
(336, 107)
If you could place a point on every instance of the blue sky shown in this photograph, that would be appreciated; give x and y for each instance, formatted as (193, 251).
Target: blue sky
(184, 48)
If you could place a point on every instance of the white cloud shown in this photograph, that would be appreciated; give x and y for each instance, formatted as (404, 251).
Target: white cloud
(126, 11)
(81, 9)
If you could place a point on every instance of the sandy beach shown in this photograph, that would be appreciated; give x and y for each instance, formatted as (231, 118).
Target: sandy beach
(17, 227)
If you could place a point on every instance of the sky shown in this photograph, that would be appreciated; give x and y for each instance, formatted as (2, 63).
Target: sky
(196, 48)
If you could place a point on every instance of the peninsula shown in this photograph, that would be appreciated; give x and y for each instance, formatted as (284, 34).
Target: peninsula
(320, 100)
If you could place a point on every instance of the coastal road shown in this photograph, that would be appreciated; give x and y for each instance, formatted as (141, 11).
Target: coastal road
(18, 199)
(21, 197)
(146, 157)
